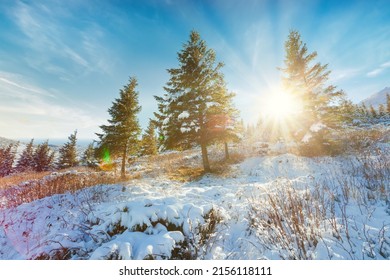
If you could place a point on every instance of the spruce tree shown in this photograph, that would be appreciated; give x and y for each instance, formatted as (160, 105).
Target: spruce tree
(26, 160)
(68, 153)
(306, 80)
(373, 112)
(195, 108)
(7, 158)
(388, 104)
(382, 110)
(88, 158)
(149, 144)
(120, 137)
(43, 157)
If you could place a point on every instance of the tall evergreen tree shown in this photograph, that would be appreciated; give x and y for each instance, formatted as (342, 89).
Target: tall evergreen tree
(306, 80)
(149, 145)
(68, 153)
(26, 160)
(120, 137)
(43, 157)
(7, 158)
(194, 109)
(388, 103)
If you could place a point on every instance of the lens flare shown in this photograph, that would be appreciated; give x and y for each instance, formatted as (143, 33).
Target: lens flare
(106, 156)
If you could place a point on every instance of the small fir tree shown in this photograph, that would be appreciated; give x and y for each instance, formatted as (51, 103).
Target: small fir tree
(68, 153)
(43, 157)
(7, 158)
(88, 158)
(382, 110)
(149, 144)
(120, 137)
(26, 160)
(373, 112)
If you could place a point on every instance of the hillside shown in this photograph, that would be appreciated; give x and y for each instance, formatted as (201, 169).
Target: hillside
(279, 206)
(377, 98)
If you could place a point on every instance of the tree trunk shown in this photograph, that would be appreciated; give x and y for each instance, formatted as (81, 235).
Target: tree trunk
(205, 158)
(227, 156)
(123, 168)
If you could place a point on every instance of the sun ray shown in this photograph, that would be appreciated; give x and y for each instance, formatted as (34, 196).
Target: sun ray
(280, 112)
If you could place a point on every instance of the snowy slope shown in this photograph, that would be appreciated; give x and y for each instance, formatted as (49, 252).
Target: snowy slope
(377, 98)
(155, 217)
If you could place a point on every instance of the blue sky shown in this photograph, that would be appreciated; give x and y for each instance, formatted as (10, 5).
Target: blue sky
(62, 63)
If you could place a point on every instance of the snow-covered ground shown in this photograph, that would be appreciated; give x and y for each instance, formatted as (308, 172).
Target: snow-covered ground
(342, 212)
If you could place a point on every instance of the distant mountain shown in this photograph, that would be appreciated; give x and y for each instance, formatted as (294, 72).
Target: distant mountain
(377, 98)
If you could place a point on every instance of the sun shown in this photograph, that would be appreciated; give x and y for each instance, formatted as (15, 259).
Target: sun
(280, 106)
(281, 114)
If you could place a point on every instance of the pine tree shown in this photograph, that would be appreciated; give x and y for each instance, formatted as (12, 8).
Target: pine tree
(89, 158)
(43, 157)
(68, 153)
(347, 111)
(120, 137)
(7, 158)
(381, 110)
(365, 110)
(26, 160)
(195, 108)
(306, 81)
(388, 104)
(149, 141)
(373, 112)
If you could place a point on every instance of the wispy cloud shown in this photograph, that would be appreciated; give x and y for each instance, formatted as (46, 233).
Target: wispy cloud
(56, 40)
(43, 114)
(379, 70)
(344, 74)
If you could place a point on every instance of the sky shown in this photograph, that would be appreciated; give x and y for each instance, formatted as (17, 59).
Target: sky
(62, 63)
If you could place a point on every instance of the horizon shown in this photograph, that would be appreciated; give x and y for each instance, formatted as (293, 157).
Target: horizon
(62, 65)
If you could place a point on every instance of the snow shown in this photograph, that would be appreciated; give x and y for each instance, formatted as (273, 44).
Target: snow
(185, 129)
(183, 115)
(306, 138)
(153, 216)
(317, 127)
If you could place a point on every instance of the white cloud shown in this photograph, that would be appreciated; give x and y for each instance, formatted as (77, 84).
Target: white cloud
(28, 111)
(386, 65)
(379, 70)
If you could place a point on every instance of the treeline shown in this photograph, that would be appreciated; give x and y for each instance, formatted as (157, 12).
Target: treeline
(39, 158)
(369, 113)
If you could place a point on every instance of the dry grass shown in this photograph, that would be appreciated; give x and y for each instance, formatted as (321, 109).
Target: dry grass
(30, 189)
(18, 178)
(290, 221)
(186, 174)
